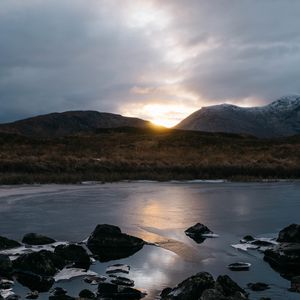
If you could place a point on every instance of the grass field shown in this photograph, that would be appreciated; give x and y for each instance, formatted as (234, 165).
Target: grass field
(157, 154)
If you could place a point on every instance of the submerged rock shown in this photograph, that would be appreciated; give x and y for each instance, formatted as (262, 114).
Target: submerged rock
(6, 243)
(74, 255)
(114, 292)
(37, 239)
(199, 233)
(258, 286)
(44, 263)
(107, 242)
(35, 282)
(290, 234)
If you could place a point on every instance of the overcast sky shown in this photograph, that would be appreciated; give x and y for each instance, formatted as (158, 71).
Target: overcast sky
(159, 60)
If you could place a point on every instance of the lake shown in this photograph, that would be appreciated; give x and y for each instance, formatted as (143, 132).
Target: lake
(159, 213)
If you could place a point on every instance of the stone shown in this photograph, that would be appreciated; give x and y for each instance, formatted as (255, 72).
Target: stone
(191, 288)
(123, 281)
(107, 242)
(290, 234)
(87, 294)
(258, 286)
(295, 284)
(6, 243)
(74, 255)
(44, 263)
(37, 239)
(6, 266)
(35, 282)
(114, 292)
(228, 287)
(248, 238)
(197, 231)
(32, 295)
(213, 294)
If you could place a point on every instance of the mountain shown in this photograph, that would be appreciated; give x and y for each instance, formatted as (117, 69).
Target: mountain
(278, 119)
(70, 122)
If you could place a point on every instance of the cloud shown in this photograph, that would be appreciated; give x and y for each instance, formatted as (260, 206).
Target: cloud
(112, 55)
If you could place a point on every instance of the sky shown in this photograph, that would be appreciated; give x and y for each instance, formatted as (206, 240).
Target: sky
(158, 60)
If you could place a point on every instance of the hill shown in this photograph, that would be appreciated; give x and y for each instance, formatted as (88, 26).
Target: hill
(69, 123)
(278, 119)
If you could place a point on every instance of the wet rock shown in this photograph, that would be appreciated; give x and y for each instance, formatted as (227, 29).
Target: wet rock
(290, 234)
(74, 255)
(61, 297)
(94, 280)
(13, 296)
(228, 287)
(35, 282)
(247, 238)
(265, 298)
(191, 288)
(262, 243)
(5, 265)
(213, 294)
(58, 291)
(295, 284)
(258, 286)
(37, 239)
(107, 242)
(44, 263)
(197, 231)
(87, 294)
(6, 243)
(32, 295)
(116, 292)
(164, 293)
(285, 259)
(239, 266)
(123, 281)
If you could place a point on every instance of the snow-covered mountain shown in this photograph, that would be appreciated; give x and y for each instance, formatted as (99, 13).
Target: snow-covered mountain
(280, 118)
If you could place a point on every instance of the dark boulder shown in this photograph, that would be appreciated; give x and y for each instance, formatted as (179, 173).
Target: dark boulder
(74, 255)
(32, 295)
(248, 238)
(35, 282)
(5, 265)
(6, 243)
(59, 291)
(258, 286)
(165, 292)
(107, 242)
(295, 284)
(197, 231)
(122, 281)
(285, 259)
(117, 292)
(290, 234)
(191, 288)
(87, 294)
(37, 239)
(44, 263)
(228, 287)
(213, 294)
(61, 297)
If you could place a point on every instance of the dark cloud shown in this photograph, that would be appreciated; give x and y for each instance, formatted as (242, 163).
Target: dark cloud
(114, 55)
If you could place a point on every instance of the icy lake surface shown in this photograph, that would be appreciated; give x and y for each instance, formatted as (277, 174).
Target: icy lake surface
(159, 213)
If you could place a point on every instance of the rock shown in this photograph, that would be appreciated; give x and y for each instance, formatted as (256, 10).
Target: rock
(228, 287)
(123, 281)
(290, 234)
(197, 231)
(248, 238)
(94, 280)
(32, 295)
(114, 292)
(191, 288)
(61, 297)
(6, 243)
(164, 293)
(285, 259)
(6, 267)
(13, 296)
(107, 242)
(58, 291)
(44, 263)
(258, 286)
(6, 284)
(35, 282)
(213, 294)
(118, 268)
(295, 284)
(74, 255)
(265, 298)
(37, 239)
(87, 294)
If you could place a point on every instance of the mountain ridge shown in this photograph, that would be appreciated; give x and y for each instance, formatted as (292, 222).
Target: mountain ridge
(277, 119)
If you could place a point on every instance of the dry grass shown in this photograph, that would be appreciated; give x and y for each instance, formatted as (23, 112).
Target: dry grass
(110, 155)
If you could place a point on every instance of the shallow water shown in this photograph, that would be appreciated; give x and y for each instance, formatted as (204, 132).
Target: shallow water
(160, 212)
